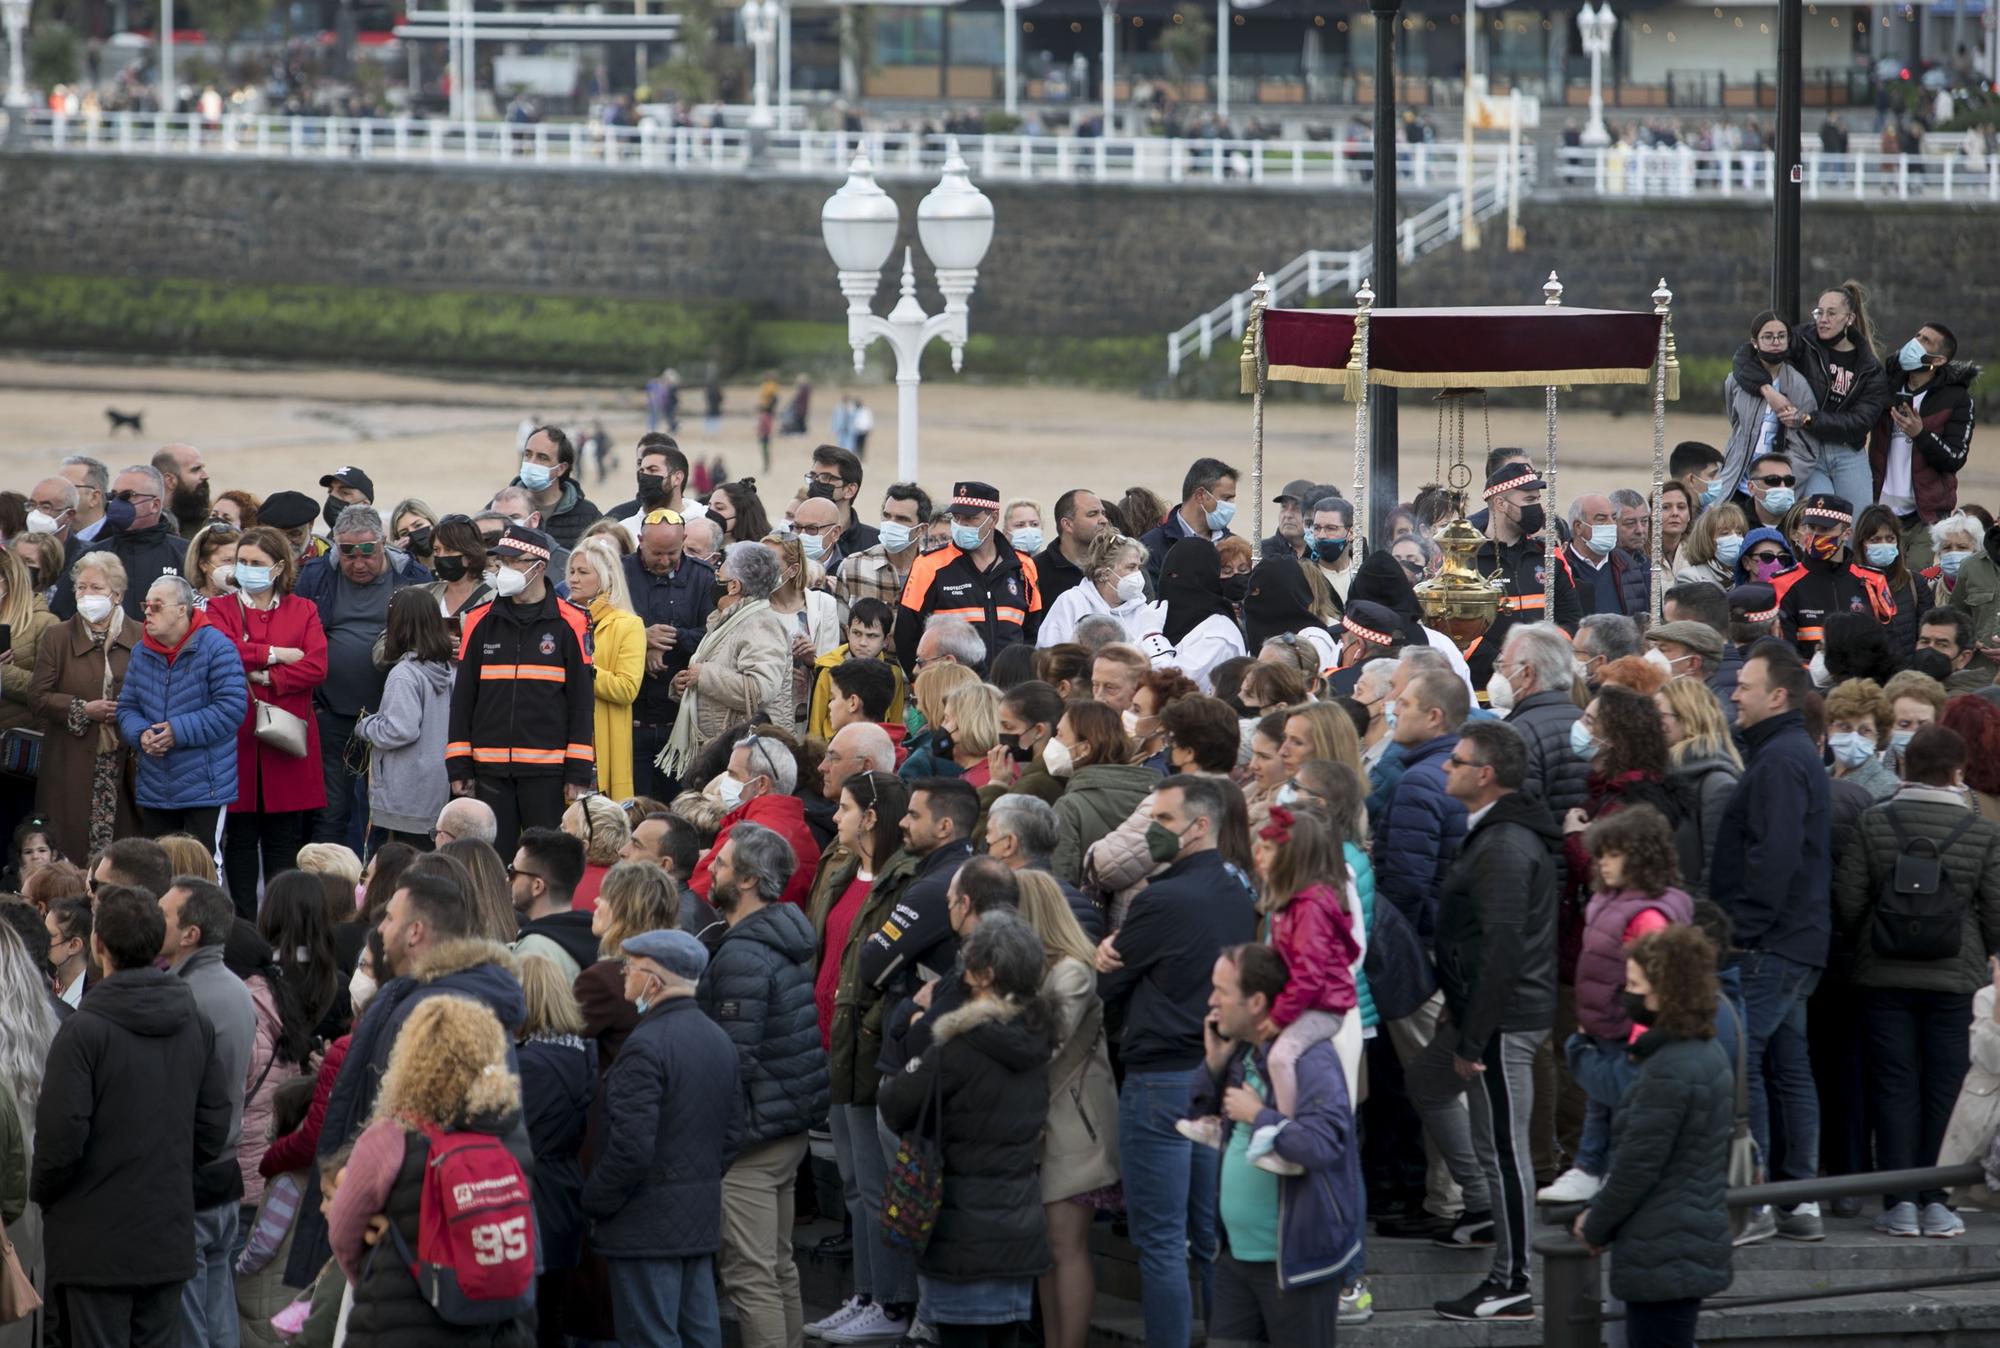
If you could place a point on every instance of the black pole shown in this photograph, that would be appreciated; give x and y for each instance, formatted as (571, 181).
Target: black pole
(1785, 223)
(1382, 451)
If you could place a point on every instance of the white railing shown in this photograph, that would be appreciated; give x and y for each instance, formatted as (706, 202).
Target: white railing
(650, 147)
(1319, 272)
(1618, 171)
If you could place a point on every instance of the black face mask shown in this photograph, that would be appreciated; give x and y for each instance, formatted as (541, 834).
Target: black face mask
(819, 491)
(1235, 587)
(1532, 521)
(941, 743)
(1017, 751)
(721, 590)
(449, 568)
(1636, 1009)
(331, 511)
(420, 542)
(652, 490)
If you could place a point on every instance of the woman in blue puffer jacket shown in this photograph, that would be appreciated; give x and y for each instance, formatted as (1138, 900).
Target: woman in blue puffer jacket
(183, 699)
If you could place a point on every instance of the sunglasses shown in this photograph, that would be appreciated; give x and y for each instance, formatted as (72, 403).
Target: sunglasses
(133, 497)
(513, 872)
(1766, 556)
(1777, 480)
(359, 549)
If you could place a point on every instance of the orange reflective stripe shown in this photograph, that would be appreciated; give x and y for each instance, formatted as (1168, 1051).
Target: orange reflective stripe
(1811, 633)
(457, 747)
(538, 755)
(583, 751)
(978, 615)
(497, 671)
(1516, 602)
(492, 756)
(545, 673)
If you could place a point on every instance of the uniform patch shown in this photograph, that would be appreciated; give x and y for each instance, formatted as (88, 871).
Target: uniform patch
(548, 643)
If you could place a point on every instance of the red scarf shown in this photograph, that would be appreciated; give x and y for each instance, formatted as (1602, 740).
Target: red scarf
(195, 619)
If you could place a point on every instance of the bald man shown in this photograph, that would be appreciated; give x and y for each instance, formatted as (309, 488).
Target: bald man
(186, 479)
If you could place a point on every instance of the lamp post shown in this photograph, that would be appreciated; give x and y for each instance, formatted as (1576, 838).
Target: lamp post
(14, 13)
(760, 27)
(1596, 24)
(860, 223)
(1383, 452)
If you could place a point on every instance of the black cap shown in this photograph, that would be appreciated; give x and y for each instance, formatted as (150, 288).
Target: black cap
(1299, 491)
(1754, 603)
(1374, 623)
(521, 541)
(1512, 477)
(971, 498)
(1823, 508)
(350, 477)
(288, 510)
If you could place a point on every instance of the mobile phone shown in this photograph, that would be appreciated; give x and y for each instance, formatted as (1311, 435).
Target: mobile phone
(1903, 396)
(6, 637)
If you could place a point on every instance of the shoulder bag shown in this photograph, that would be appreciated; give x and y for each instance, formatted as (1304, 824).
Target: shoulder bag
(913, 1190)
(273, 725)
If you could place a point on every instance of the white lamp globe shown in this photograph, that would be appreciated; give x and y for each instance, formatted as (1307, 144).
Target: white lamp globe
(859, 222)
(955, 219)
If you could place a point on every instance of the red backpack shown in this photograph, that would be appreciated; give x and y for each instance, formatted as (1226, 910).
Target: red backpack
(475, 1256)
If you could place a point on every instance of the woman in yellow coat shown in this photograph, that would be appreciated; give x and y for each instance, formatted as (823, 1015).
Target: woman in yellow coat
(618, 653)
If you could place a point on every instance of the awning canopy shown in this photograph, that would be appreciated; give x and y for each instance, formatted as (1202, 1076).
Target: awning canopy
(1512, 347)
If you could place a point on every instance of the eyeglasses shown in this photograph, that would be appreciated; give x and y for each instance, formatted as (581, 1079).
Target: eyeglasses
(824, 479)
(817, 530)
(514, 871)
(359, 549)
(1777, 480)
(1455, 761)
(133, 497)
(158, 606)
(54, 508)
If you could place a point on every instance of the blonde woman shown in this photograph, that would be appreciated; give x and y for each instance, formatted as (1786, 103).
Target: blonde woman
(559, 1080)
(1023, 521)
(810, 615)
(971, 719)
(1711, 547)
(27, 619)
(636, 897)
(1320, 730)
(1703, 761)
(618, 641)
(189, 855)
(448, 1073)
(600, 825)
(1080, 1145)
(413, 528)
(331, 859)
(1114, 583)
(933, 688)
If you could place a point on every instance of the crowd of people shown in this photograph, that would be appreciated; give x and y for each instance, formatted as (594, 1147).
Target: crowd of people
(504, 927)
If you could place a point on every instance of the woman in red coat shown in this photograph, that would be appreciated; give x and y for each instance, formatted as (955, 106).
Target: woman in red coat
(284, 656)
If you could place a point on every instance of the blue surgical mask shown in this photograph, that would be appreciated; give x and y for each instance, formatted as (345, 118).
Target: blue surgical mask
(1603, 538)
(1218, 518)
(536, 476)
(1728, 548)
(1881, 556)
(1712, 492)
(1899, 740)
(1027, 538)
(1780, 499)
(641, 1005)
(1951, 561)
(965, 537)
(1851, 748)
(1913, 355)
(252, 579)
(1581, 742)
(895, 537)
(813, 545)
(1389, 715)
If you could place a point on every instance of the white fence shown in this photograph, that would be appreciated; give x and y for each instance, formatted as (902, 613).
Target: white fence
(1318, 272)
(1618, 171)
(1307, 164)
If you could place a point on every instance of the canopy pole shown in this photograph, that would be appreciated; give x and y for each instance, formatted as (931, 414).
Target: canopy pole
(1663, 300)
(1552, 295)
(1364, 300)
(1254, 355)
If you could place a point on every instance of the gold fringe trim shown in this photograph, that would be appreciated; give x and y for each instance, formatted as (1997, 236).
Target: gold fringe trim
(1301, 374)
(1350, 379)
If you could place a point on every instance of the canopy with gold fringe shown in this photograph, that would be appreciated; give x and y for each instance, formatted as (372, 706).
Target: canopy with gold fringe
(1529, 346)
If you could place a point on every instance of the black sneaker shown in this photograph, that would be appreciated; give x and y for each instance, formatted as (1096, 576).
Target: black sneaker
(1490, 1300)
(1473, 1231)
(1416, 1225)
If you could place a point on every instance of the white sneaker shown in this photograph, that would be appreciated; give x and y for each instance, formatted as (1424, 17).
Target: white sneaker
(1572, 1186)
(847, 1311)
(1276, 1164)
(1204, 1132)
(873, 1325)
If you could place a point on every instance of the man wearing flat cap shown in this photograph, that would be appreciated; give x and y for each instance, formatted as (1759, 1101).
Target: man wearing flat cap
(1293, 502)
(672, 1114)
(522, 710)
(978, 576)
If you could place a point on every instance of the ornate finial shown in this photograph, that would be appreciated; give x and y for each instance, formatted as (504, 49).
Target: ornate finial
(1260, 291)
(1663, 298)
(1552, 290)
(1364, 298)
(909, 276)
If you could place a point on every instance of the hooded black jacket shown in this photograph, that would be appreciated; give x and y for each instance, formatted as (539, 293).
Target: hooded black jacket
(1496, 925)
(569, 931)
(147, 553)
(133, 1103)
(758, 987)
(1844, 419)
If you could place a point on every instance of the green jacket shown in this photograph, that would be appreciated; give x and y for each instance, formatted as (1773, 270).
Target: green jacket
(857, 1008)
(1977, 594)
(1034, 781)
(1972, 863)
(1101, 796)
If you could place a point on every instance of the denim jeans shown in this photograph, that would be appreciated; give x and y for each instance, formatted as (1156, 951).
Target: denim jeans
(1774, 1004)
(1601, 1068)
(1842, 471)
(1918, 1053)
(664, 1303)
(346, 809)
(208, 1299)
(891, 1274)
(1170, 1200)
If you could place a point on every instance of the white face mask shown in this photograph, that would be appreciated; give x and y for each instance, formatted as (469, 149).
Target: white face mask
(1500, 693)
(95, 608)
(507, 582)
(1131, 588)
(41, 522)
(1056, 759)
(728, 790)
(360, 991)
(1816, 668)
(1658, 658)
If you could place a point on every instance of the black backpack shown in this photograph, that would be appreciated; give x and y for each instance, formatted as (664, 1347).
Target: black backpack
(1920, 915)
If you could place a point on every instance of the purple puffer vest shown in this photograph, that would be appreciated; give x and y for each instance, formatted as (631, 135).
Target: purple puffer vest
(1600, 969)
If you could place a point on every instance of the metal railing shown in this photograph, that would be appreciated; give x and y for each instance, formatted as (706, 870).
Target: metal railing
(1320, 272)
(1573, 1311)
(654, 148)
(1678, 171)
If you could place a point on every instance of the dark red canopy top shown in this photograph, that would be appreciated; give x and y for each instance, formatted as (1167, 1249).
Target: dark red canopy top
(1448, 348)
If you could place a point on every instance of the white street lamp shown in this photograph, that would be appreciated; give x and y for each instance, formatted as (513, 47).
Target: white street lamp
(760, 27)
(860, 224)
(1596, 24)
(14, 13)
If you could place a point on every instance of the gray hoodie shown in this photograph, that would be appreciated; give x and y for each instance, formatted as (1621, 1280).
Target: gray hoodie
(407, 782)
(225, 1003)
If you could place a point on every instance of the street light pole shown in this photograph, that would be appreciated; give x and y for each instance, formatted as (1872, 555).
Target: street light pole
(1110, 62)
(1786, 163)
(167, 100)
(15, 15)
(1384, 446)
(1595, 25)
(760, 26)
(1222, 26)
(860, 223)
(1011, 45)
